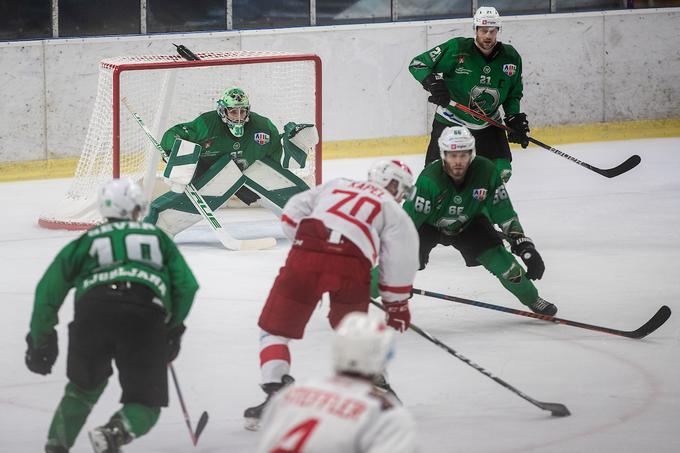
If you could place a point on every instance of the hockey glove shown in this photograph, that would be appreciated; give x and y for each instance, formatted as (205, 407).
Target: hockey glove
(174, 340)
(520, 128)
(439, 93)
(525, 249)
(40, 359)
(398, 314)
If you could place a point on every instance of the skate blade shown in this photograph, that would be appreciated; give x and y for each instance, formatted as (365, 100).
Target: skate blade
(98, 441)
(252, 424)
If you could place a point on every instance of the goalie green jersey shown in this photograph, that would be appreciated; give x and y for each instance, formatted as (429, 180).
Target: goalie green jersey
(482, 83)
(118, 251)
(450, 208)
(260, 139)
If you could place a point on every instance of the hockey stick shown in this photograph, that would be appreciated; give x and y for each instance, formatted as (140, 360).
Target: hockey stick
(555, 409)
(202, 207)
(650, 326)
(203, 419)
(625, 166)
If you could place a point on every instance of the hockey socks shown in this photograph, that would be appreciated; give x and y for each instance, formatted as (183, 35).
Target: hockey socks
(72, 413)
(504, 266)
(274, 357)
(138, 419)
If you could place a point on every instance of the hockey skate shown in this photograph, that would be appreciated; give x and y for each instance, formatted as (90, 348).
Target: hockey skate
(543, 307)
(110, 437)
(252, 414)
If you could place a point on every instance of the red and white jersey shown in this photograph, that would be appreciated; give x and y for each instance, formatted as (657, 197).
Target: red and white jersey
(367, 215)
(335, 415)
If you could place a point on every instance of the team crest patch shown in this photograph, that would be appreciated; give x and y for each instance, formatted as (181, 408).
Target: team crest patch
(261, 138)
(479, 194)
(509, 69)
(461, 59)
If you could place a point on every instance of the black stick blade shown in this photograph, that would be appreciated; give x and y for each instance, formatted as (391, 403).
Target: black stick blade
(629, 164)
(200, 426)
(656, 321)
(556, 409)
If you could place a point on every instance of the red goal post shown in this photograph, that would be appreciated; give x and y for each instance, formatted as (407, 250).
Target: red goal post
(166, 90)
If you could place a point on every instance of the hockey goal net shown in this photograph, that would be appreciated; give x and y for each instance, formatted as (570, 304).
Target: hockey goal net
(166, 90)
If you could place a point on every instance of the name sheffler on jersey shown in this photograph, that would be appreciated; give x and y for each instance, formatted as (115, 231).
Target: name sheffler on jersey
(332, 403)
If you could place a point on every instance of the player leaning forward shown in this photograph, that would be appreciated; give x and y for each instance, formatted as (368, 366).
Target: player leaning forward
(343, 413)
(133, 292)
(340, 231)
(230, 151)
(457, 201)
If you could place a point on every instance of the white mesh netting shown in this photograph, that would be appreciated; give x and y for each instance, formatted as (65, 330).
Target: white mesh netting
(166, 90)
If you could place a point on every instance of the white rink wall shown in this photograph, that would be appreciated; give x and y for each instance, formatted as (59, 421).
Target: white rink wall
(578, 68)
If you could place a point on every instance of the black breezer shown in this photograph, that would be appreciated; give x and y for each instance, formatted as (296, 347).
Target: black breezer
(120, 322)
(490, 142)
(477, 237)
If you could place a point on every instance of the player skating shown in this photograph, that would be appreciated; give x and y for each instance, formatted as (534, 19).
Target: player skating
(340, 230)
(457, 202)
(480, 73)
(229, 151)
(343, 413)
(133, 292)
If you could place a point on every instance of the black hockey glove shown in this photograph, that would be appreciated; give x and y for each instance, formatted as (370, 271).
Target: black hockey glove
(525, 249)
(40, 360)
(520, 128)
(174, 341)
(437, 88)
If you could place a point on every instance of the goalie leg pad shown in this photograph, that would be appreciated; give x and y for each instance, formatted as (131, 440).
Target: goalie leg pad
(272, 182)
(181, 164)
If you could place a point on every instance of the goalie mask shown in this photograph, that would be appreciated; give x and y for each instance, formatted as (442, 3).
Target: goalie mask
(384, 172)
(234, 109)
(486, 16)
(122, 199)
(362, 345)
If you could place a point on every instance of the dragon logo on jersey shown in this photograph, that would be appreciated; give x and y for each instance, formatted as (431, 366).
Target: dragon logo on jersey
(435, 54)
(261, 138)
(484, 99)
(509, 69)
(479, 194)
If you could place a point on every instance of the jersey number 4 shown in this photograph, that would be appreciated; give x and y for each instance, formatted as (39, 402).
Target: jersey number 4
(296, 437)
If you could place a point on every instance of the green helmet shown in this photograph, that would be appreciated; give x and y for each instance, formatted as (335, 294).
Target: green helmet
(235, 102)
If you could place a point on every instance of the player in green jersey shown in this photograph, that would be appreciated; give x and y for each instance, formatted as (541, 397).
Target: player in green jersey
(482, 74)
(230, 151)
(457, 201)
(133, 291)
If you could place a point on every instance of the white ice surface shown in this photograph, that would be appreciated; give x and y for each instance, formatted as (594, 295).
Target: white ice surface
(611, 247)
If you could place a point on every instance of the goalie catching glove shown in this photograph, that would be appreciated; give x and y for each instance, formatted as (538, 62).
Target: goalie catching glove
(523, 247)
(40, 359)
(439, 93)
(298, 141)
(398, 314)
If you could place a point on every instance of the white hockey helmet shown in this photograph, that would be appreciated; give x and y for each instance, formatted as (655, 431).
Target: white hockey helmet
(119, 198)
(385, 171)
(455, 139)
(486, 16)
(362, 344)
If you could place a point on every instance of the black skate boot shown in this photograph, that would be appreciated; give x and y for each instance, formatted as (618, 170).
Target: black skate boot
(110, 437)
(49, 448)
(381, 384)
(543, 307)
(252, 414)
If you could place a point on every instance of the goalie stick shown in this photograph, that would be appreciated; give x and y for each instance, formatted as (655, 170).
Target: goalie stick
(202, 420)
(555, 409)
(623, 167)
(650, 326)
(202, 207)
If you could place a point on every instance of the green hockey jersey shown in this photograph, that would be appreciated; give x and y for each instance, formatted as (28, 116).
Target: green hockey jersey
(440, 203)
(118, 251)
(260, 139)
(479, 82)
